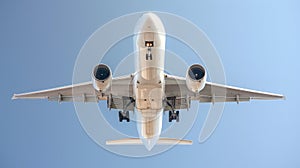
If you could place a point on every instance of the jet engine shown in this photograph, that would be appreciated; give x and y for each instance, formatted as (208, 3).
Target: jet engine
(101, 77)
(195, 78)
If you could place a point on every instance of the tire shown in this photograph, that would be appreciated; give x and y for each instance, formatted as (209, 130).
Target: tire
(120, 116)
(177, 116)
(170, 116)
(177, 119)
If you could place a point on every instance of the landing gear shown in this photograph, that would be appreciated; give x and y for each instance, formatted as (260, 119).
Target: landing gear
(173, 116)
(124, 116)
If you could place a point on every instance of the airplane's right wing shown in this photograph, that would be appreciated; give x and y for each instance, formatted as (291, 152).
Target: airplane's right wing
(212, 92)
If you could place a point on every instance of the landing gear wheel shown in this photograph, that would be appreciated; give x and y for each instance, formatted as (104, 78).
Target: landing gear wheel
(177, 116)
(170, 116)
(127, 116)
(120, 116)
(173, 116)
(124, 116)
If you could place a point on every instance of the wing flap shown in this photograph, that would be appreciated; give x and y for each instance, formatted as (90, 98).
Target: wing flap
(208, 99)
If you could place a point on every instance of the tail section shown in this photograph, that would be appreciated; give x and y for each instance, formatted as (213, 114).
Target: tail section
(137, 141)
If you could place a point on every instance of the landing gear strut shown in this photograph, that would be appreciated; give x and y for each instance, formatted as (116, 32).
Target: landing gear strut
(173, 116)
(124, 116)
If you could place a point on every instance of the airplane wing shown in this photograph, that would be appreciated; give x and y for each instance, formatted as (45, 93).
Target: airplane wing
(84, 92)
(120, 94)
(61, 94)
(212, 92)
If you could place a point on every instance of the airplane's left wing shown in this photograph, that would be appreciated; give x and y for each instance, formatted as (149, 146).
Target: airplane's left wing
(83, 92)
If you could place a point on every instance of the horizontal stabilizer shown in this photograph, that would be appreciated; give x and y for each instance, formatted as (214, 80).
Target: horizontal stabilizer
(161, 141)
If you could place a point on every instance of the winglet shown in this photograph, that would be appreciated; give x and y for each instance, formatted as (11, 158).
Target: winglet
(14, 97)
(283, 97)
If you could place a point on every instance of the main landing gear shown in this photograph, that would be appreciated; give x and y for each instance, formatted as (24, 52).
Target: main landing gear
(124, 115)
(173, 116)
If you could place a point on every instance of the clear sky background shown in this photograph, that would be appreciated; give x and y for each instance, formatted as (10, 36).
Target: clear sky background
(258, 42)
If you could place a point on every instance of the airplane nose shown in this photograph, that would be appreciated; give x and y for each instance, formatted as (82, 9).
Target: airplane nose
(149, 22)
(147, 15)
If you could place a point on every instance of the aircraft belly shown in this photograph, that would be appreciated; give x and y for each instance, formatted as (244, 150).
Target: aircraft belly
(151, 67)
(149, 84)
(150, 123)
(149, 98)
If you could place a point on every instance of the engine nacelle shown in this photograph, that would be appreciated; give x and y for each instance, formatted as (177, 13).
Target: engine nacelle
(195, 78)
(101, 77)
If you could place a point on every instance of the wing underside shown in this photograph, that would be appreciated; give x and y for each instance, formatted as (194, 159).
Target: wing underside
(212, 92)
(83, 92)
(120, 95)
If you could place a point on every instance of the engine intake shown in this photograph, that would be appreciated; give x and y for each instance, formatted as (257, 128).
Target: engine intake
(196, 78)
(101, 77)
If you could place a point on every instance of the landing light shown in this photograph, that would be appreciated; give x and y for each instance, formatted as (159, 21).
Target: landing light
(149, 43)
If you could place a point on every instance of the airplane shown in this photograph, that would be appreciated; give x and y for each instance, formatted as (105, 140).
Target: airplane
(149, 91)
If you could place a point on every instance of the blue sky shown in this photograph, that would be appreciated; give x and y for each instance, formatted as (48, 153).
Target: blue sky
(258, 42)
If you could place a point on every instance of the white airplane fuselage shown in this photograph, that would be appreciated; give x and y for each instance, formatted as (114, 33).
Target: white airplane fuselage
(149, 84)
